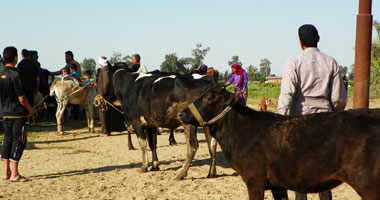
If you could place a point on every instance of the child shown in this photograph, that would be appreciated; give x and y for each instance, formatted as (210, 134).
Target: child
(73, 71)
(65, 73)
(87, 77)
(16, 108)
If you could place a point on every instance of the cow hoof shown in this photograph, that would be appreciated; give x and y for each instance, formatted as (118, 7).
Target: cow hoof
(211, 176)
(179, 177)
(155, 169)
(131, 148)
(171, 143)
(61, 133)
(143, 170)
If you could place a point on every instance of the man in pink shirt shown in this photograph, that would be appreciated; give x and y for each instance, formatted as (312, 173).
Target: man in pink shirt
(311, 83)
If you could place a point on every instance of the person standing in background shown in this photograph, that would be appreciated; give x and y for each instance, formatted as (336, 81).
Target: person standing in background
(136, 64)
(311, 84)
(30, 76)
(110, 119)
(240, 78)
(69, 59)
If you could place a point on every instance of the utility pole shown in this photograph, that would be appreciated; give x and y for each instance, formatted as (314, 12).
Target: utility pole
(363, 54)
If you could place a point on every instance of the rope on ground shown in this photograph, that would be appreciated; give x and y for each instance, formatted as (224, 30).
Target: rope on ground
(103, 104)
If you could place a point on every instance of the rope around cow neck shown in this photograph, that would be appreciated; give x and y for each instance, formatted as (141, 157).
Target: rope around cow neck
(102, 104)
(200, 119)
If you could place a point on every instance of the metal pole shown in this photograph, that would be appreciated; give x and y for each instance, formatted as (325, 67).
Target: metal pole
(362, 54)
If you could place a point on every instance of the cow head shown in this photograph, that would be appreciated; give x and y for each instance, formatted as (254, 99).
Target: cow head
(209, 105)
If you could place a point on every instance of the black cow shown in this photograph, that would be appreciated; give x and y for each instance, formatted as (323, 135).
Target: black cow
(153, 100)
(308, 154)
(133, 68)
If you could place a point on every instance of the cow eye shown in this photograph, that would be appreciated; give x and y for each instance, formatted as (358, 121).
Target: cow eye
(210, 97)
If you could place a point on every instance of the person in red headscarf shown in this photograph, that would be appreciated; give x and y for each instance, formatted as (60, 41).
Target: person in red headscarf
(240, 78)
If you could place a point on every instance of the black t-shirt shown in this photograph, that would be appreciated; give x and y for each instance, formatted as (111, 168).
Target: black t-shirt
(44, 81)
(10, 91)
(29, 72)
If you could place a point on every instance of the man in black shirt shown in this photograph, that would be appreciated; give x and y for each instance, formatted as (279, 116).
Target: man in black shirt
(30, 76)
(16, 108)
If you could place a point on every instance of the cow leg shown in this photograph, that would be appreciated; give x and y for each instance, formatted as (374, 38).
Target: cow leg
(367, 188)
(130, 145)
(256, 192)
(129, 131)
(152, 135)
(279, 193)
(192, 147)
(212, 144)
(142, 137)
(171, 138)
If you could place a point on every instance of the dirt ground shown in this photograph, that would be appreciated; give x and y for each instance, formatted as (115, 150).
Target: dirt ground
(81, 165)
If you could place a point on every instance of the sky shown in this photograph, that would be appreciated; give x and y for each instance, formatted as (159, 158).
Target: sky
(251, 29)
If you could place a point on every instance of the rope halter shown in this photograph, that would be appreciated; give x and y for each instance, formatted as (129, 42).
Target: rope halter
(200, 119)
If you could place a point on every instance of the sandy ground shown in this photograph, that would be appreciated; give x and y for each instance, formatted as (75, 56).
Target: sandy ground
(81, 165)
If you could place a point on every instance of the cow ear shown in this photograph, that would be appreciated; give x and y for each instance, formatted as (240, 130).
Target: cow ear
(228, 98)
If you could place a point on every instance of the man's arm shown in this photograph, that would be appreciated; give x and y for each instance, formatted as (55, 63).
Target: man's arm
(338, 91)
(24, 102)
(288, 88)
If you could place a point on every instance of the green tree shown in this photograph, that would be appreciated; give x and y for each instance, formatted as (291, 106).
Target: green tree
(252, 73)
(351, 73)
(235, 60)
(1, 64)
(173, 64)
(116, 57)
(198, 55)
(375, 63)
(264, 68)
(89, 64)
(343, 70)
(225, 76)
(127, 59)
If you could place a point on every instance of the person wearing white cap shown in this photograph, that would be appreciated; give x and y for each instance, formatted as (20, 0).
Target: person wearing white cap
(111, 120)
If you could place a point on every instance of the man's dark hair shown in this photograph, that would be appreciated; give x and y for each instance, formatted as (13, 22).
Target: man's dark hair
(88, 72)
(25, 53)
(9, 54)
(74, 66)
(70, 53)
(308, 35)
(137, 56)
(66, 69)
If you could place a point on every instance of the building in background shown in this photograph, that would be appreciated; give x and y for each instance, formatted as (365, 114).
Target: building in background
(273, 79)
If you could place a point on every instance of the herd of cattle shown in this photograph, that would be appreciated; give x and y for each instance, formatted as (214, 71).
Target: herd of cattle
(308, 154)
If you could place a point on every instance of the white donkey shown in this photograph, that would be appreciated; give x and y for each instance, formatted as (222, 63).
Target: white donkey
(68, 91)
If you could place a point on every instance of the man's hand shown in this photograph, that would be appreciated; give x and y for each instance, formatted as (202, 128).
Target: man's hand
(30, 112)
(101, 97)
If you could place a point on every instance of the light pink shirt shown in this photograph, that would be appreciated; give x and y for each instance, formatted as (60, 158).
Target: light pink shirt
(311, 84)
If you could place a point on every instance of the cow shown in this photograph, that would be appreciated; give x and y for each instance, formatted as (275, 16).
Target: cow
(308, 154)
(69, 91)
(264, 104)
(153, 100)
(133, 68)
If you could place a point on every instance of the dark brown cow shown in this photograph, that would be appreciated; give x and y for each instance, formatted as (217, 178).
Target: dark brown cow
(308, 154)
